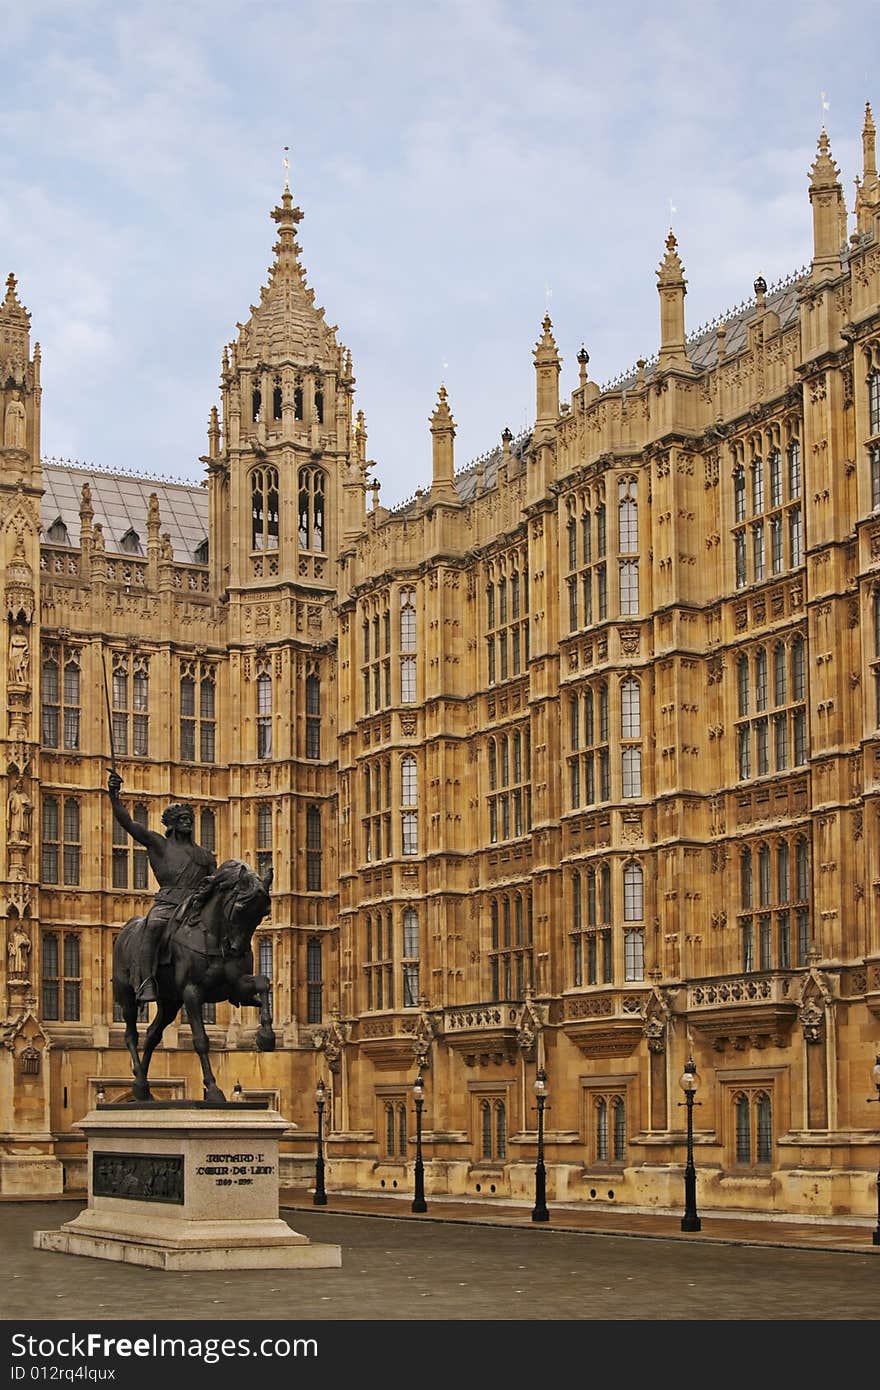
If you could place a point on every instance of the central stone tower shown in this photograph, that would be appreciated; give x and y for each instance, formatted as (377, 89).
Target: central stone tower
(280, 454)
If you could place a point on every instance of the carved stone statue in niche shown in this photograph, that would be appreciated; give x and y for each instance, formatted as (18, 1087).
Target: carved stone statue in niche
(18, 951)
(14, 428)
(19, 657)
(20, 809)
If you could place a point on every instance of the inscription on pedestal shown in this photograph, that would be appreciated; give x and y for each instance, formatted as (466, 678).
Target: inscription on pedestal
(235, 1169)
(138, 1177)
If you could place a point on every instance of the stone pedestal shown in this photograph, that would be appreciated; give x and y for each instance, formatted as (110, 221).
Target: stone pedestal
(186, 1185)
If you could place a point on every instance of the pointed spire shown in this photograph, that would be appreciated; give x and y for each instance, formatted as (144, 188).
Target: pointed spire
(829, 212)
(443, 431)
(15, 319)
(672, 288)
(868, 187)
(213, 433)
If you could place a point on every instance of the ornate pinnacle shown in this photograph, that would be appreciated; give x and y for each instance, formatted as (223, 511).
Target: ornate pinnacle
(824, 173)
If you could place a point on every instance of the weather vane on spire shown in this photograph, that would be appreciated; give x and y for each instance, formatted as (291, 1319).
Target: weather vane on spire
(286, 165)
(672, 210)
(826, 104)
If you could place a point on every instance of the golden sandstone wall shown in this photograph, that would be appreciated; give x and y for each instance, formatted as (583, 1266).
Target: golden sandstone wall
(570, 763)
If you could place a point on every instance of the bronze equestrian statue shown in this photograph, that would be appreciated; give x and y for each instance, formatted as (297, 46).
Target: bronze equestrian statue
(194, 945)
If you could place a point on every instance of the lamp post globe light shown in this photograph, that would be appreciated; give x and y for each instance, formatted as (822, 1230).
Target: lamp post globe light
(875, 1077)
(539, 1211)
(418, 1202)
(320, 1197)
(689, 1083)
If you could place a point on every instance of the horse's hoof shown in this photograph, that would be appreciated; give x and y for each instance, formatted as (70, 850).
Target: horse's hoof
(265, 1040)
(142, 1092)
(214, 1093)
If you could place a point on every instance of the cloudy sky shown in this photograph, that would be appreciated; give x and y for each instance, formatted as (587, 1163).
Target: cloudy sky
(463, 165)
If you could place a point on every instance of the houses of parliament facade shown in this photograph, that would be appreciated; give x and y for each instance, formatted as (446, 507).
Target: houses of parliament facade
(568, 768)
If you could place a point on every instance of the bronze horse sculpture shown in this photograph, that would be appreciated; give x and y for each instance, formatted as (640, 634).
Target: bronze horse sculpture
(206, 957)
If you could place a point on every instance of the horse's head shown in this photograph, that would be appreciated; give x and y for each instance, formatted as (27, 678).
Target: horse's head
(246, 901)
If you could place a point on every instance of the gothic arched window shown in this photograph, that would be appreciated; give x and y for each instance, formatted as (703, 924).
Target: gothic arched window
(311, 509)
(264, 509)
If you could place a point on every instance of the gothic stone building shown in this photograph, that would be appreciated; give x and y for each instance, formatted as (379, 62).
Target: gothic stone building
(571, 763)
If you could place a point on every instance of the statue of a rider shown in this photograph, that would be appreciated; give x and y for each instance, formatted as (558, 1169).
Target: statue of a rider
(180, 866)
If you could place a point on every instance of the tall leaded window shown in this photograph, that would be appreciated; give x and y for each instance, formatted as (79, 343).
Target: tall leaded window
(608, 1139)
(628, 544)
(407, 646)
(264, 509)
(409, 800)
(198, 714)
(630, 730)
(264, 714)
(61, 976)
(314, 980)
(774, 913)
(771, 729)
(130, 865)
(598, 925)
(207, 830)
(313, 715)
(131, 713)
(768, 532)
(395, 1129)
(60, 858)
(60, 694)
(633, 912)
(589, 766)
(507, 615)
(753, 1127)
(264, 838)
(376, 801)
(509, 777)
(313, 849)
(511, 937)
(410, 962)
(265, 955)
(379, 961)
(493, 1130)
(376, 655)
(312, 487)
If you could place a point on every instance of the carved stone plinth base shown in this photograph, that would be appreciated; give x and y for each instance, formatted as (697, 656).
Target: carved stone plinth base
(184, 1185)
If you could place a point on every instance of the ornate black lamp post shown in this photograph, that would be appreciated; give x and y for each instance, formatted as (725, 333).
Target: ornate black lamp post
(875, 1076)
(418, 1202)
(539, 1211)
(689, 1083)
(320, 1197)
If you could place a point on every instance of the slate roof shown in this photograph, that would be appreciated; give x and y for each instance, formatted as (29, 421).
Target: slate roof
(121, 502)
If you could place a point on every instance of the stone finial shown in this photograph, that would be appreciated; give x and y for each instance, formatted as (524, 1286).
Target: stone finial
(829, 212)
(672, 288)
(760, 290)
(583, 358)
(547, 367)
(824, 172)
(443, 432)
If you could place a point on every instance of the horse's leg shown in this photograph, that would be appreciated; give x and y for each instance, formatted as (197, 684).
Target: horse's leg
(257, 991)
(128, 1004)
(192, 1000)
(166, 1011)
